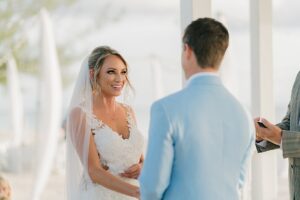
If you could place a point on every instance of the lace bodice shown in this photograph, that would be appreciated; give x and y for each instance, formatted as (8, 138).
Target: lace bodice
(116, 153)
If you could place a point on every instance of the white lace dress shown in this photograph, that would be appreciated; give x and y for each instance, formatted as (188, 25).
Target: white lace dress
(117, 154)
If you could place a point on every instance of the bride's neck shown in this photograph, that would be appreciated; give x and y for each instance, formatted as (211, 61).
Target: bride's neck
(108, 103)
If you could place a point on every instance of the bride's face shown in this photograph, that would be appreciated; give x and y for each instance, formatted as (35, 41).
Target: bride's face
(112, 76)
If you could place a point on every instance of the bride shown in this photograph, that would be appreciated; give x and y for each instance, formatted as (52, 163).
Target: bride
(104, 146)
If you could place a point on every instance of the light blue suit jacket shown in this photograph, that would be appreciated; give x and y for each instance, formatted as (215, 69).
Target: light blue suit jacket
(200, 139)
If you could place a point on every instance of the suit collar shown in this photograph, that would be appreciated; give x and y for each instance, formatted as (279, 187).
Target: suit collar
(203, 77)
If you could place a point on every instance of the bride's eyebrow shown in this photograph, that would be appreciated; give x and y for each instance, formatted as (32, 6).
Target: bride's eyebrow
(112, 68)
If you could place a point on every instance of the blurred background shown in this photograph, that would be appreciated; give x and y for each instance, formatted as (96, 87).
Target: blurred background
(43, 42)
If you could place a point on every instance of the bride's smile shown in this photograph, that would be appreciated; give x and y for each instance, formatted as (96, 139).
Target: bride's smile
(105, 147)
(113, 76)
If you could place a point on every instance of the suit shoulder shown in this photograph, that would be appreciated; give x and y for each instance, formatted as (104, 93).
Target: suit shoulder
(297, 77)
(296, 82)
(169, 99)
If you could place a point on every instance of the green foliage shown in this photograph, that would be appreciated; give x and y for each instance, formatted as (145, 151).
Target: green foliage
(14, 15)
(2, 73)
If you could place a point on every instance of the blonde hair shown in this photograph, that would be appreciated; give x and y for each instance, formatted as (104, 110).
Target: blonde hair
(4, 183)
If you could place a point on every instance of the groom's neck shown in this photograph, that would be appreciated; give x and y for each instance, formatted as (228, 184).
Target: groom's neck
(197, 69)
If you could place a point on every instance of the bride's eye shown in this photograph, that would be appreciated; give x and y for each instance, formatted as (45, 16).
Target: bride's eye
(124, 72)
(110, 71)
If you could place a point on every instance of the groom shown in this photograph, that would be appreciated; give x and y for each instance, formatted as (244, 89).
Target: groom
(200, 137)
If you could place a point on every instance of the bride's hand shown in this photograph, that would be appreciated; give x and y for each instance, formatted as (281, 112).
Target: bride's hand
(133, 171)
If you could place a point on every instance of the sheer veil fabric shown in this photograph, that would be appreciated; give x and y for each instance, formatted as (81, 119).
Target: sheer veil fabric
(115, 152)
(78, 134)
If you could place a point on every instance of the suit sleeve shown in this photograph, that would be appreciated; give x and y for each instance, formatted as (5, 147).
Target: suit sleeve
(285, 123)
(156, 172)
(245, 164)
(290, 139)
(291, 144)
(247, 155)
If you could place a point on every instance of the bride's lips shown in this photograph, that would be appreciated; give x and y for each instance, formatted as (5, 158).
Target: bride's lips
(117, 87)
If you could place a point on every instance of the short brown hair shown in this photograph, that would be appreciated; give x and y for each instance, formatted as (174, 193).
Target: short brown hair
(208, 39)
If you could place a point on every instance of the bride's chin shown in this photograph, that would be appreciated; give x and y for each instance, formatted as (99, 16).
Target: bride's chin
(117, 94)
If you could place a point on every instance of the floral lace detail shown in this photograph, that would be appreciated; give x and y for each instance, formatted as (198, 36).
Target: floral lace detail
(130, 120)
(97, 123)
(94, 122)
(116, 153)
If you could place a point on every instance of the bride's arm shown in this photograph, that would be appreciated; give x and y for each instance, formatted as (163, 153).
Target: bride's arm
(99, 175)
(77, 128)
(134, 170)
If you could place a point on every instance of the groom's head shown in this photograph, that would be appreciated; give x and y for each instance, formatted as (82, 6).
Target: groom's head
(205, 40)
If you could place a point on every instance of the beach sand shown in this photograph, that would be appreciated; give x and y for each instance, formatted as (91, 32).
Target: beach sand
(22, 186)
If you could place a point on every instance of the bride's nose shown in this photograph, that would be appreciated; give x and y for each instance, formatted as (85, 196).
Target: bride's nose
(119, 78)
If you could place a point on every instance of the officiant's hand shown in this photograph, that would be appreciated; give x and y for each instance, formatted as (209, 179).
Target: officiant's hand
(133, 171)
(257, 138)
(271, 133)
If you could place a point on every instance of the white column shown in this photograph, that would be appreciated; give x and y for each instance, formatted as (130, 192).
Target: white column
(191, 10)
(264, 176)
(17, 110)
(50, 108)
(14, 152)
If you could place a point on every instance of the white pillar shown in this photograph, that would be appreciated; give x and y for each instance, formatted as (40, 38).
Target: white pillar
(17, 110)
(191, 10)
(264, 176)
(50, 108)
(14, 152)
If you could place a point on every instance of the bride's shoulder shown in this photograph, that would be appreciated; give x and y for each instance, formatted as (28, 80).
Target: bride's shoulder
(78, 110)
(79, 115)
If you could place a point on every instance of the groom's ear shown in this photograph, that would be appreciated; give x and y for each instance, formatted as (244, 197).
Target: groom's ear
(187, 51)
